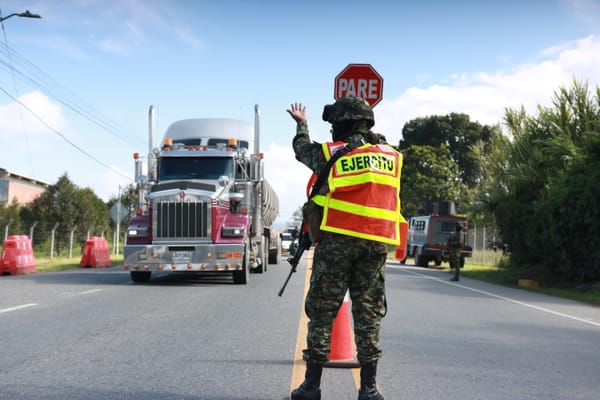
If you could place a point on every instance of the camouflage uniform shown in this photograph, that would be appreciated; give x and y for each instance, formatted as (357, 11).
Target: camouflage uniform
(342, 263)
(455, 244)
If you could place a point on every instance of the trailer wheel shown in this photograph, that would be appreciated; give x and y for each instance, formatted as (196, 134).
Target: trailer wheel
(140, 276)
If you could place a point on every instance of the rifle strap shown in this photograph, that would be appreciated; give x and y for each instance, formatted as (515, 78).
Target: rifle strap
(324, 173)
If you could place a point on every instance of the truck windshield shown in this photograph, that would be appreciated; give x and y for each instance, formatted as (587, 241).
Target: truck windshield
(170, 168)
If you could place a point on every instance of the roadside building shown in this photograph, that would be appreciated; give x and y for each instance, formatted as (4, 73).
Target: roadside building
(23, 189)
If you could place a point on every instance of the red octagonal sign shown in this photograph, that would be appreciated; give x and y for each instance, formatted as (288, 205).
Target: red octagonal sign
(360, 80)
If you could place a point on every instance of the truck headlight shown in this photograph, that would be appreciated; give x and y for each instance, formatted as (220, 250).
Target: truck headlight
(137, 232)
(232, 231)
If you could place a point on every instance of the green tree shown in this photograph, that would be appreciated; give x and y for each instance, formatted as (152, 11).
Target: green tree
(10, 216)
(92, 213)
(428, 175)
(68, 208)
(549, 211)
(459, 134)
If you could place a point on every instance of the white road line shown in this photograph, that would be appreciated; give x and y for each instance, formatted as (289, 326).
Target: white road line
(5, 310)
(521, 303)
(90, 291)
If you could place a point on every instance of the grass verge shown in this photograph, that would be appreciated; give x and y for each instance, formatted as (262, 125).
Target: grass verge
(501, 276)
(61, 263)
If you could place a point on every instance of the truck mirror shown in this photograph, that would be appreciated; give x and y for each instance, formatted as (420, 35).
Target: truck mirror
(223, 180)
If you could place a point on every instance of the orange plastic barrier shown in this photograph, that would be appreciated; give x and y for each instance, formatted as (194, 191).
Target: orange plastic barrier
(401, 250)
(95, 254)
(341, 354)
(17, 256)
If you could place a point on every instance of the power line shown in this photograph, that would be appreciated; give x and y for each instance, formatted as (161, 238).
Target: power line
(30, 73)
(64, 137)
(20, 110)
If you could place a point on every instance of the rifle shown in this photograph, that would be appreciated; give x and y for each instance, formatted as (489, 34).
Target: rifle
(304, 243)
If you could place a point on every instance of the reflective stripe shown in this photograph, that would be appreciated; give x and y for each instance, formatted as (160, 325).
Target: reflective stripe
(335, 183)
(364, 227)
(358, 209)
(319, 199)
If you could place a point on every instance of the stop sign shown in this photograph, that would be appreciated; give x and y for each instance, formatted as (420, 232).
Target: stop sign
(359, 80)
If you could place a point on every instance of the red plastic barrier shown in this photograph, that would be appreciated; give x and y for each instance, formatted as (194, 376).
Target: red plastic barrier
(95, 254)
(401, 250)
(17, 256)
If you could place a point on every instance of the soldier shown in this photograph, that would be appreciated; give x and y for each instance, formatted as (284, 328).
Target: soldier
(455, 244)
(361, 213)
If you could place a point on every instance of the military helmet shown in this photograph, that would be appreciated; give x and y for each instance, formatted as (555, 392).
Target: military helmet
(349, 109)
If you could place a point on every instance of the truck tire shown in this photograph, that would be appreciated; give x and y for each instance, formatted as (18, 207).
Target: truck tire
(420, 260)
(275, 256)
(140, 276)
(241, 277)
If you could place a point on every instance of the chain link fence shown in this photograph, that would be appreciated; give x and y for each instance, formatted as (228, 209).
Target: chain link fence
(488, 248)
(69, 242)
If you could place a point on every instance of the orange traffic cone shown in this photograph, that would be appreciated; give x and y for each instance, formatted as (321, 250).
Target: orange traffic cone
(341, 354)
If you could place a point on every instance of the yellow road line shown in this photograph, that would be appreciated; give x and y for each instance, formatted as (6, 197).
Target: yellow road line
(299, 364)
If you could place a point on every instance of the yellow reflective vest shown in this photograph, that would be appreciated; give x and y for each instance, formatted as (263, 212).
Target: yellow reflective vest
(364, 193)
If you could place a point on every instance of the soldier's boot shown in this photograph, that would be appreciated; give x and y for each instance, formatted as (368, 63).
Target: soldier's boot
(455, 277)
(368, 386)
(309, 389)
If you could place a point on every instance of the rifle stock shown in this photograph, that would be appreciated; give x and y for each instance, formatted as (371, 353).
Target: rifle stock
(304, 244)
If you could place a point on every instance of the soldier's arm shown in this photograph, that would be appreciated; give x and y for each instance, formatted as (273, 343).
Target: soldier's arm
(307, 152)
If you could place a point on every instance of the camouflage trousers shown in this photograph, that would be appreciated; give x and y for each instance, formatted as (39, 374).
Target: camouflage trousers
(342, 263)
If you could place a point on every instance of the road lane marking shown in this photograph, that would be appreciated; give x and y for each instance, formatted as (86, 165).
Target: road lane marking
(89, 291)
(299, 364)
(5, 310)
(521, 303)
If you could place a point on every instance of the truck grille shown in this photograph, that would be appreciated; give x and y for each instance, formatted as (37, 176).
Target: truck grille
(182, 220)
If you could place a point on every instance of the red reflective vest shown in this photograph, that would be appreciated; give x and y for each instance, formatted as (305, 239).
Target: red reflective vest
(364, 193)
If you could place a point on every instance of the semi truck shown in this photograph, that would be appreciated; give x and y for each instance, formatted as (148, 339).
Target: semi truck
(204, 203)
(428, 239)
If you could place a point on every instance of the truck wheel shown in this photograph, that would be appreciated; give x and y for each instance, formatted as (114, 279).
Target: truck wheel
(421, 261)
(462, 262)
(140, 276)
(274, 256)
(241, 277)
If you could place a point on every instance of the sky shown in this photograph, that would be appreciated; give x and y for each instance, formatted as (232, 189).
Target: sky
(76, 85)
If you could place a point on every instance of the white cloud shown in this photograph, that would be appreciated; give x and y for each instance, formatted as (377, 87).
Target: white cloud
(485, 96)
(288, 177)
(27, 114)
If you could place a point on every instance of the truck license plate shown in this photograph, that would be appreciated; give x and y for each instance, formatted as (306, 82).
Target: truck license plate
(182, 256)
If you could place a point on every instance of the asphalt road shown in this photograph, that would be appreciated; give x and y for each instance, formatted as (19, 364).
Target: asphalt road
(92, 334)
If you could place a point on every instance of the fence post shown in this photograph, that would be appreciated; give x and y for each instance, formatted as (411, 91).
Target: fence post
(31, 231)
(52, 232)
(483, 245)
(71, 242)
(6, 228)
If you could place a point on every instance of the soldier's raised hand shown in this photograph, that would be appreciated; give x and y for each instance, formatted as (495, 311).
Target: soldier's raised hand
(298, 112)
